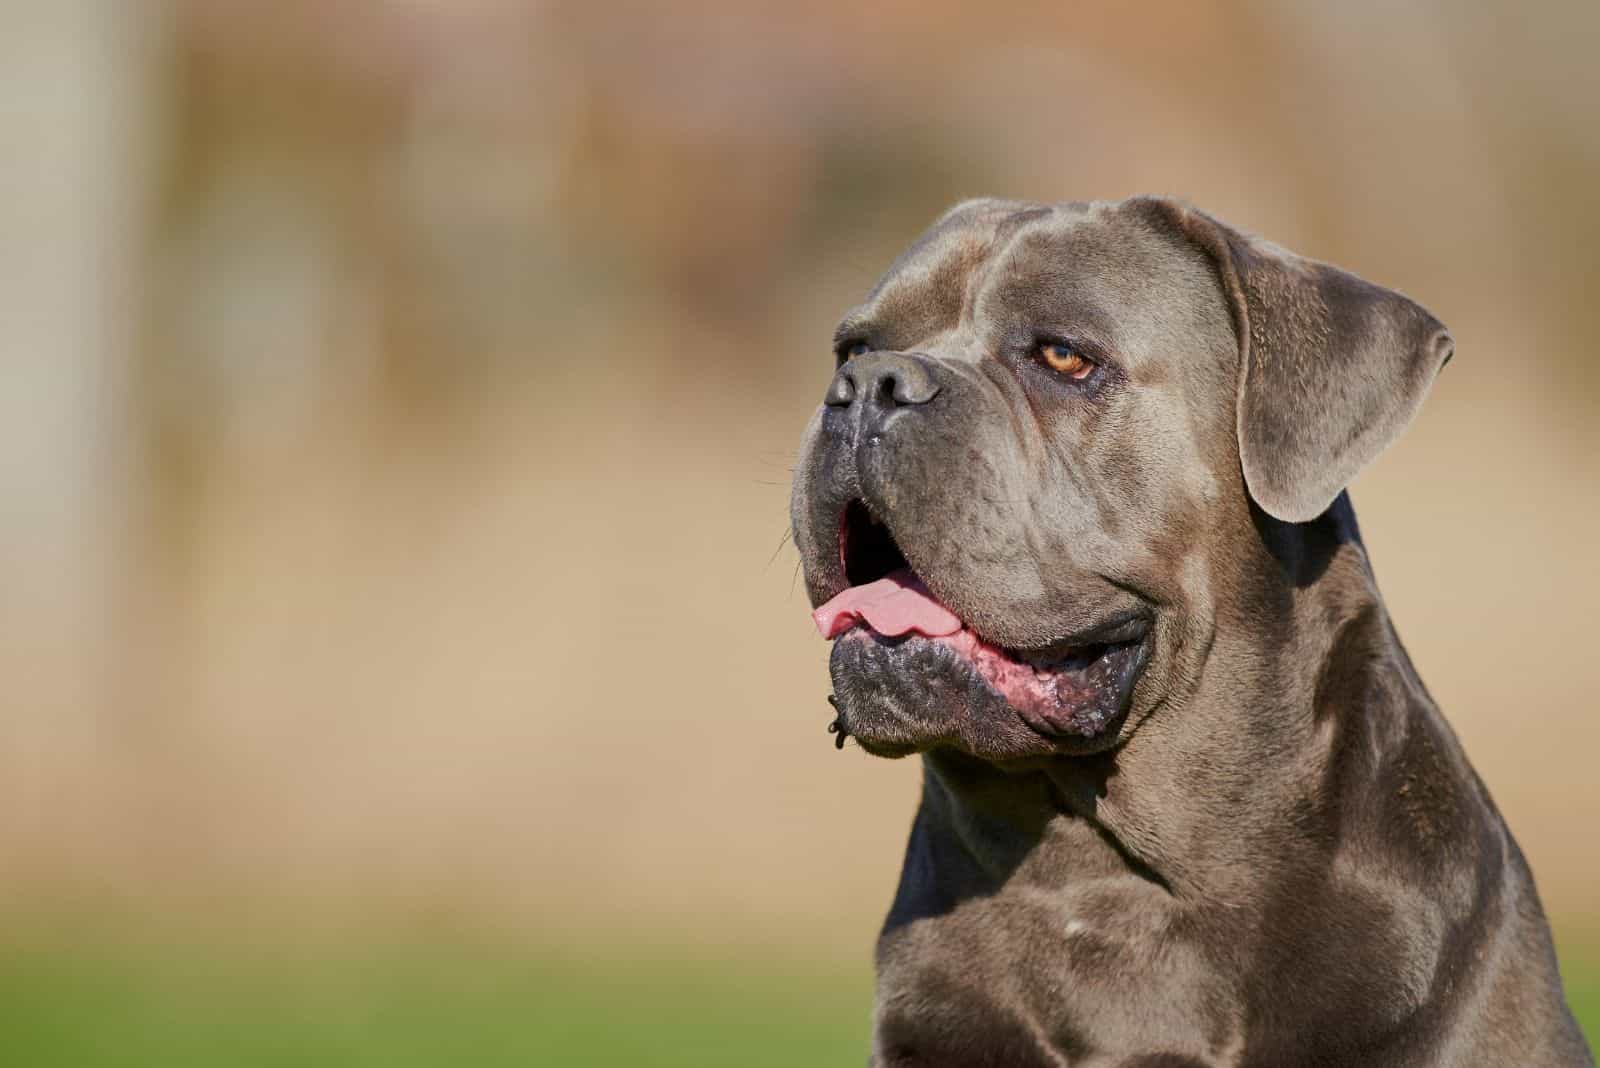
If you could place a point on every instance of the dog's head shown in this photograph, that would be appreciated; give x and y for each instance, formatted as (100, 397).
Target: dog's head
(1052, 433)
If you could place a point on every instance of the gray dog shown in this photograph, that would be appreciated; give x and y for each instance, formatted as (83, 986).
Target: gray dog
(1073, 511)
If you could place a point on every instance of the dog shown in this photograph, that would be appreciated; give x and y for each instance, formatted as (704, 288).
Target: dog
(1073, 510)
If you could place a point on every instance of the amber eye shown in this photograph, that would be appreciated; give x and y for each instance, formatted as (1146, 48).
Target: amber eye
(1065, 360)
(854, 349)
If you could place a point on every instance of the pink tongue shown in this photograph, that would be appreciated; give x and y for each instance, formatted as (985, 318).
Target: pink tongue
(894, 605)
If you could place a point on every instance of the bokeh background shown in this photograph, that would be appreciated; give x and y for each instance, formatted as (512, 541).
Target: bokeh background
(403, 657)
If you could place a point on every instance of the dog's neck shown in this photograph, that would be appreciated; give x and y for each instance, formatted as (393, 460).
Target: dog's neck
(1229, 769)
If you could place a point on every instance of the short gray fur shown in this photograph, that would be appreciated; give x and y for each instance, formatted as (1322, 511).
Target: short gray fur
(1278, 854)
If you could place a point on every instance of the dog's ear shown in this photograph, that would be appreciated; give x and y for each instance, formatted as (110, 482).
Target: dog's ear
(1331, 368)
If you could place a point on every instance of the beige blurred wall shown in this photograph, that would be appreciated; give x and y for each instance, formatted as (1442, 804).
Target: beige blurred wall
(414, 416)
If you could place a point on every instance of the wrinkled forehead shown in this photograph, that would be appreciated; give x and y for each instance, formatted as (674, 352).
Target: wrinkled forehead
(990, 265)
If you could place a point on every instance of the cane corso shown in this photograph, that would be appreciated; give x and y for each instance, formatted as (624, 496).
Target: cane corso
(1073, 512)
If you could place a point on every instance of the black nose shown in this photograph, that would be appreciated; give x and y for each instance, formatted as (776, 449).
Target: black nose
(882, 382)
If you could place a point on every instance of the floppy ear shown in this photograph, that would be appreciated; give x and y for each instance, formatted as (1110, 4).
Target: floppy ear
(1331, 368)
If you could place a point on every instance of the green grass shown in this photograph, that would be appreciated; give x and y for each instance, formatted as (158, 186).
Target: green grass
(416, 1008)
(1581, 973)
(177, 1007)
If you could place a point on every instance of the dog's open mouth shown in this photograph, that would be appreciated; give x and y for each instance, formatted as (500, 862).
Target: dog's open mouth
(1072, 687)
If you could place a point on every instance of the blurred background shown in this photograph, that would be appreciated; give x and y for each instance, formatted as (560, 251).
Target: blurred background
(404, 659)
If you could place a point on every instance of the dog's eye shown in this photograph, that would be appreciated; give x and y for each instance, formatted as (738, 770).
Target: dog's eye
(851, 349)
(1065, 360)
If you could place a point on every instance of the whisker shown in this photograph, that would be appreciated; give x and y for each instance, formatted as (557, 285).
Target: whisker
(782, 541)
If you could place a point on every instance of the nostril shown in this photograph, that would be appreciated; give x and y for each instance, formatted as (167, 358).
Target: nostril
(905, 387)
(841, 392)
(889, 391)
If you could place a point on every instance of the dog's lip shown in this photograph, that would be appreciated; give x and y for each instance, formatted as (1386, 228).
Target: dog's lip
(1124, 628)
(1074, 700)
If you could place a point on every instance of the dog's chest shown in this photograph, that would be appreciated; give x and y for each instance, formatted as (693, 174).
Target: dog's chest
(1023, 977)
